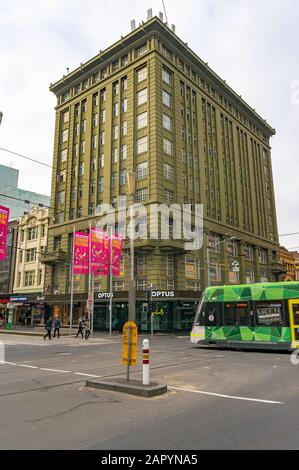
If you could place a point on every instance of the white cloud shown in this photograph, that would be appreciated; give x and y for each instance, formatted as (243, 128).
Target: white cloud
(252, 44)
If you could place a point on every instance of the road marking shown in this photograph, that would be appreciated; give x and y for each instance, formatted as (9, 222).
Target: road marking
(29, 367)
(88, 375)
(220, 395)
(51, 370)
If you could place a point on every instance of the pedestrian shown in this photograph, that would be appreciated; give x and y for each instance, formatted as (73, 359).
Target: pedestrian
(80, 328)
(87, 329)
(57, 326)
(115, 325)
(48, 328)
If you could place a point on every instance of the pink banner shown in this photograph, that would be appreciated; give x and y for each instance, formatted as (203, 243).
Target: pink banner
(4, 215)
(99, 252)
(116, 254)
(81, 252)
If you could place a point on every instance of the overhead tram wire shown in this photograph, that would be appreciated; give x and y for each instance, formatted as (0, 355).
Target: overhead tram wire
(46, 164)
(56, 211)
(288, 234)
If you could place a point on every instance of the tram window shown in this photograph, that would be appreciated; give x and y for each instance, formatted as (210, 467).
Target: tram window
(242, 317)
(210, 314)
(296, 314)
(229, 314)
(269, 313)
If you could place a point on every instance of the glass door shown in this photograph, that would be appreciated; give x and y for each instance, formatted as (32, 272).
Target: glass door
(294, 321)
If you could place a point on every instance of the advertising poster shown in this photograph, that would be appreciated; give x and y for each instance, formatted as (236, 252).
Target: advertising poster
(4, 215)
(81, 248)
(190, 271)
(116, 254)
(99, 252)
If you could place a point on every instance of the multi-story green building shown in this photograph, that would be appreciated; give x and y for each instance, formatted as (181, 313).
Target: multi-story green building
(149, 104)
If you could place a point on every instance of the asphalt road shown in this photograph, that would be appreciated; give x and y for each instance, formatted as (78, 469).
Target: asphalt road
(217, 399)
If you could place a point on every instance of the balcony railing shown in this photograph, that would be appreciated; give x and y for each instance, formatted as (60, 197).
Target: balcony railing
(55, 256)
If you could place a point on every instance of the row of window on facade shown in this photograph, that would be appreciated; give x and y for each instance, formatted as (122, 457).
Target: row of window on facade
(166, 75)
(29, 277)
(103, 73)
(29, 255)
(32, 233)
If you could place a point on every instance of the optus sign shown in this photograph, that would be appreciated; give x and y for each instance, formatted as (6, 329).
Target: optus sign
(162, 294)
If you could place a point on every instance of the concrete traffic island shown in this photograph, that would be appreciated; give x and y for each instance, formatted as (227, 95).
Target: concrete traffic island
(133, 387)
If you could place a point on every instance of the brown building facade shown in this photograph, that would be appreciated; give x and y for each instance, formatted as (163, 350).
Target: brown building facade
(149, 104)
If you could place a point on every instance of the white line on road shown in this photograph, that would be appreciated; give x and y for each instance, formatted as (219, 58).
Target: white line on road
(56, 370)
(88, 375)
(228, 396)
(10, 363)
(29, 367)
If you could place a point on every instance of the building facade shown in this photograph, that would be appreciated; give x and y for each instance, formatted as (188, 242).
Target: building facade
(13, 197)
(290, 262)
(29, 279)
(150, 105)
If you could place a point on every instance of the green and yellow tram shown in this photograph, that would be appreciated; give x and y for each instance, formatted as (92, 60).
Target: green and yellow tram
(264, 316)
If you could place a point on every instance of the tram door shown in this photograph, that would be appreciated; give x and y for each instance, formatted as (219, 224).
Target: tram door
(294, 322)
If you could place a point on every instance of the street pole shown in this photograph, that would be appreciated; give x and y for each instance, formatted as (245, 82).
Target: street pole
(89, 272)
(208, 265)
(151, 312)
(92, 311)
(131, 177)
(110, 281)
(72, 283)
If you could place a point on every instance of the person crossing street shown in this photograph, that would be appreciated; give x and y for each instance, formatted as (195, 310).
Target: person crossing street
(48, 328)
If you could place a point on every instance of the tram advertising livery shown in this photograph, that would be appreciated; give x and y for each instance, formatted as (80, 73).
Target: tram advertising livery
(264, 316)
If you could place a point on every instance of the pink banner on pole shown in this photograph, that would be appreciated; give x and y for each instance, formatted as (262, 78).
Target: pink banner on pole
(99, 252)
(4, 215)
(81, 253)
(116, 254)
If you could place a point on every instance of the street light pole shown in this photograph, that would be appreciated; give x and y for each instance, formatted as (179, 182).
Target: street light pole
(131, 178)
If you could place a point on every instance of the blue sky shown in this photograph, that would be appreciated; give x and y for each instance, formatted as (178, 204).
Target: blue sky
(252, 44)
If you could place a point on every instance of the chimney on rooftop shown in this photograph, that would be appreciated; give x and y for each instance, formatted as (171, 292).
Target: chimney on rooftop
(133, 25)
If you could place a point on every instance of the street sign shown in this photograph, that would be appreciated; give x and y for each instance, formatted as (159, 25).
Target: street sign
(89, 304)
(129, 344)
(235, 266)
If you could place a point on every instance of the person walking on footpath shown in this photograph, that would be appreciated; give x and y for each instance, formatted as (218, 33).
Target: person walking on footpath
(87, 329)
(57, 326)
(115, 325)
(80, 328)
(48, 328)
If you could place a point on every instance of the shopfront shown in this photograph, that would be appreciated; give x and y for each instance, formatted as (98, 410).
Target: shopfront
(172, 311)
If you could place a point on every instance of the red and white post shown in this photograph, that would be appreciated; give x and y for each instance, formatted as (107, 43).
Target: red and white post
(145, 362)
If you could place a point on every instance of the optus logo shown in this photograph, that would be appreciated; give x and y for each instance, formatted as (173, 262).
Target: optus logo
(163, 294)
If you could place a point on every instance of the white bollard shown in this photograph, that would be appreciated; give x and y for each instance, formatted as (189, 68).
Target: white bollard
(145, 361)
